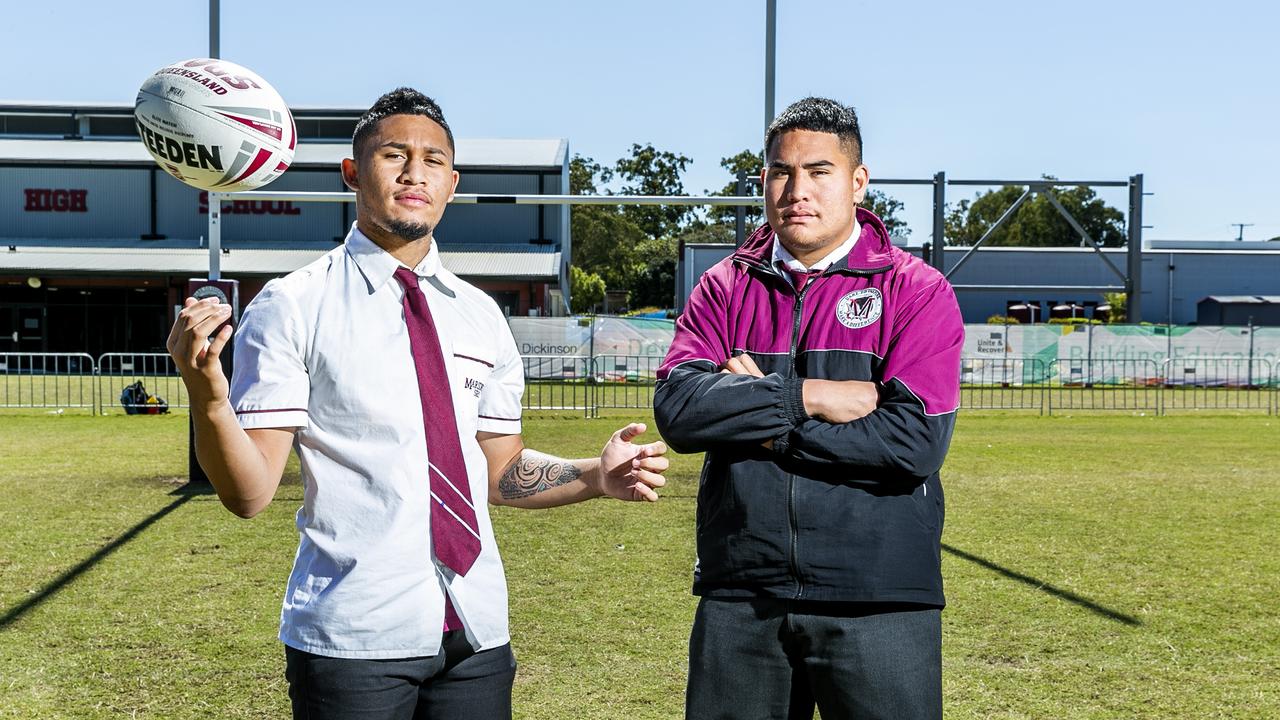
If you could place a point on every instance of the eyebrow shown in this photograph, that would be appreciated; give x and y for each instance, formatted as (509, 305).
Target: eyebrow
(816, 164)
(430, 150)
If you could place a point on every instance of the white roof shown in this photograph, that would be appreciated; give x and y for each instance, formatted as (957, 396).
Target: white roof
(540, 154)
(519, 264)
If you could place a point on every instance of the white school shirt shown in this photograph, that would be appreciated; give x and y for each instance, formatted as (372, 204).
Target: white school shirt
(783, 257)
(326, 350)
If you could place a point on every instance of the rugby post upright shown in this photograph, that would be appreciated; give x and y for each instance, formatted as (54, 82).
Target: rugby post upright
(228, 292)
(196, 476)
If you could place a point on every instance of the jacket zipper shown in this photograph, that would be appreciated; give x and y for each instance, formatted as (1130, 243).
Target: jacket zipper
(791, 478)
(791, 355)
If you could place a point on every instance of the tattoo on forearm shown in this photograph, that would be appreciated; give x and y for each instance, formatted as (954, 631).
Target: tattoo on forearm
(535, 472)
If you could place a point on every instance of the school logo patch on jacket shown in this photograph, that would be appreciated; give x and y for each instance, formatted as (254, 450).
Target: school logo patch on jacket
(860, 308)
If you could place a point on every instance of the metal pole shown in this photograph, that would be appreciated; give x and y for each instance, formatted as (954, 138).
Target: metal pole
(1133, 285)
(770, 58)
(740, 213)
(215, 236)
(1251, 330)
(215, 40)
(1168, 353)
(939, 220)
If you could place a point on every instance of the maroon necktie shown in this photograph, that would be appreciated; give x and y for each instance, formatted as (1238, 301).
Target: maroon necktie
(455, 534)
(800, 278)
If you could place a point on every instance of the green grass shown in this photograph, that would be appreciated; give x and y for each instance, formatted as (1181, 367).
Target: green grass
(1101, 566)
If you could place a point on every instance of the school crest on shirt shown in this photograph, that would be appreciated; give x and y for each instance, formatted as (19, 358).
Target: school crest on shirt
(475, 386)
(860, 308)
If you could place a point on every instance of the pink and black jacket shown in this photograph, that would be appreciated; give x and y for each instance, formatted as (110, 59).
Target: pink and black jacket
(850, 512)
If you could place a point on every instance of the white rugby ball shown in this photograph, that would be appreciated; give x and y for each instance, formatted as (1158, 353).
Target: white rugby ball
(215, 125)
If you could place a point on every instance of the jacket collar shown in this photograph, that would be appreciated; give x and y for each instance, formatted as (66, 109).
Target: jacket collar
(872, 252)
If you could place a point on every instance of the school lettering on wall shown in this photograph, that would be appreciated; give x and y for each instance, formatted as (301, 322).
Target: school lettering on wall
(55, 200)
(251, 207)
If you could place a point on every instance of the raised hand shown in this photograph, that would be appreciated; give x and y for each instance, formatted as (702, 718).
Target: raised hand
(629, 471)
(195, 354)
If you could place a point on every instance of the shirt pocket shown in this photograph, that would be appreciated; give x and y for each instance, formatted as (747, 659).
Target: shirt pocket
(473, 367)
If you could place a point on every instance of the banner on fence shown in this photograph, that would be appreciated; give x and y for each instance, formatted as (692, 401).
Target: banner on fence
(1121, 342)
(1109, 353)
(1125, 353)
(589, 336)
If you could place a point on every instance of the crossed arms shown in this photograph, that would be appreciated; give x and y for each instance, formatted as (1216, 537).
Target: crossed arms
(712, 399)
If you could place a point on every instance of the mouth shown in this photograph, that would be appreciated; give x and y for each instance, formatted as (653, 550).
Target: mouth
(412, 200)
(798, 217)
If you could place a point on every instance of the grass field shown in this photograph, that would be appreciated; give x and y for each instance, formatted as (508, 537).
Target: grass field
(1096, 567)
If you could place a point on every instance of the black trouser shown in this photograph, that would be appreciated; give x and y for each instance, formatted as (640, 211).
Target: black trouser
(767, 659)
(457, 684)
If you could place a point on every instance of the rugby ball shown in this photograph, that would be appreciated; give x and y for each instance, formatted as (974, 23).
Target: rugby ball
(215, 125)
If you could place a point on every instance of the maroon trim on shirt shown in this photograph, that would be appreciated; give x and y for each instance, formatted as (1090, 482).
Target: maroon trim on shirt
(491, 417)
(474, 359)
(255, 412)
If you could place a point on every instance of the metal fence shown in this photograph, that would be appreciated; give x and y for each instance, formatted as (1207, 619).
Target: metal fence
(1219, 383)
(47, 380)
(155, 371)
(558, 383)
(624, 381)
(1004, 383)
(587, 384)
(1131, 385)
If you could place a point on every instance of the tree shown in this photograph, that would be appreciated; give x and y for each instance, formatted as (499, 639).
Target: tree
(586, 289)
(604, 240)
(886, 208)
(1037, 223)
(751, 163)
(585, 173)
(655, 283)
(649, 171)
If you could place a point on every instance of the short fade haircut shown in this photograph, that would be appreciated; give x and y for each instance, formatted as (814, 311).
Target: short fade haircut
(819, 115)
(401, 101)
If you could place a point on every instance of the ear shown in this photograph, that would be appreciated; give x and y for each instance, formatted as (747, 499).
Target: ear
(861, 179)
(349, 175)
(454, 189)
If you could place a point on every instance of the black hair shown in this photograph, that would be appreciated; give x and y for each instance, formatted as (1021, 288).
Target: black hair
(401, 101)
(819, 115)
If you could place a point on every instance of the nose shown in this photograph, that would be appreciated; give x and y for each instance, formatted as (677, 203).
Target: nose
(412, 173)
(797, 189)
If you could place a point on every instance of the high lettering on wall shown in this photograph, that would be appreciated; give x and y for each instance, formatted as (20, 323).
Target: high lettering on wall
(55, 200)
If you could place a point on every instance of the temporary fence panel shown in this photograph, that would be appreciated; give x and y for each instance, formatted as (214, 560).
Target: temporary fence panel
(47, 380)
(157, 373)
(1003, 383)
(1105, 384)
(558, 382)
(1219, 383)
(625, 381)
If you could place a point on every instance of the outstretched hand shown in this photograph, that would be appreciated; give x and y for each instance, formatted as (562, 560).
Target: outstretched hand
(629, 471)
(195, 353)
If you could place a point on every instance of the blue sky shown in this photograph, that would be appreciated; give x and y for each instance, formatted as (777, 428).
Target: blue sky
(1185, 93)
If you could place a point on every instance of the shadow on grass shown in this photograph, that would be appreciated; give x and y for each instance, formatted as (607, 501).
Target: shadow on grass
(1041, 585)
(184, 494)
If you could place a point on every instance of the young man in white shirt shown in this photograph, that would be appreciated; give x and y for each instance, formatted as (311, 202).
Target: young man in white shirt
(380, 618)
